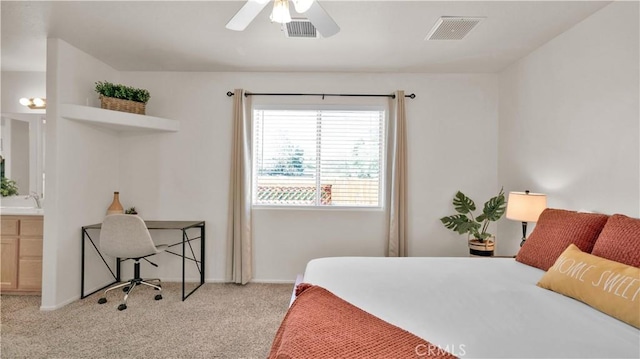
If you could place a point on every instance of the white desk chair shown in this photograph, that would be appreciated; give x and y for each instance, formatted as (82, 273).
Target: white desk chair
(126, 236)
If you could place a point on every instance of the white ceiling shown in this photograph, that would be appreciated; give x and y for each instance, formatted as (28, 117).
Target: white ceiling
(375, 36)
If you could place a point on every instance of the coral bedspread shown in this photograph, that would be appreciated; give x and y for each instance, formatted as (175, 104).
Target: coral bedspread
(321, 325)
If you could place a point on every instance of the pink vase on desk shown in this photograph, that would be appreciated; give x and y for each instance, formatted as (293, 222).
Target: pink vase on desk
(116, 207)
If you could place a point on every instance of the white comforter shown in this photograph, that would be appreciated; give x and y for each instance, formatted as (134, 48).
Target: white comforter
(475, 307)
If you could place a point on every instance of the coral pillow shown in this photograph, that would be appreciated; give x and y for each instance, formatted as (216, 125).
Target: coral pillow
(555, 231)
(610, 287)
(620, 240)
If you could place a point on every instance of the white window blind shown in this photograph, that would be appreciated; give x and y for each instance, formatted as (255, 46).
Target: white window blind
(318, 157)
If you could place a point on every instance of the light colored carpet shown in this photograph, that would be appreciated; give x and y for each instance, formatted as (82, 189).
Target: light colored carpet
(217, 321)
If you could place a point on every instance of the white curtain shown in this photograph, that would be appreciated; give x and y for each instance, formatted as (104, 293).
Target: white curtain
(239, 241)
(397, 160)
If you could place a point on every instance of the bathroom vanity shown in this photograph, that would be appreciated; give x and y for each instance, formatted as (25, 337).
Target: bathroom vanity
(21, 253)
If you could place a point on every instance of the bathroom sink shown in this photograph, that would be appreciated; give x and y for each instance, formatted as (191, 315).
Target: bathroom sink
(21, 211)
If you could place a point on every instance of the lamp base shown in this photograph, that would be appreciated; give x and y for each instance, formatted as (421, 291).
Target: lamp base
(524, 232)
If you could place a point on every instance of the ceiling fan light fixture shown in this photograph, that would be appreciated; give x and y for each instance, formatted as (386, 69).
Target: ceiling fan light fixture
(280, 13)
(302, 6)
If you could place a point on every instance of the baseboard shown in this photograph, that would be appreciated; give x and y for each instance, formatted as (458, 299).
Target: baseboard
(273, 281)
(186, 281)
(59, 305)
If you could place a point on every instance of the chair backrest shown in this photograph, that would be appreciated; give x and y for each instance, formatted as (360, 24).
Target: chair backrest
(125, 236)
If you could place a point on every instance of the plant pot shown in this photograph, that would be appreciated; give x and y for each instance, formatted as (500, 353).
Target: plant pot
(482, 249)
(116, 104)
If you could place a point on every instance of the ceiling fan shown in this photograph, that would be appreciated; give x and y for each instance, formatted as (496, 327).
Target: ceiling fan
(310, 8)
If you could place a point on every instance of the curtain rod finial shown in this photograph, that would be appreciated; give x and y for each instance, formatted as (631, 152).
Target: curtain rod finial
(229, 93)
(412, 96)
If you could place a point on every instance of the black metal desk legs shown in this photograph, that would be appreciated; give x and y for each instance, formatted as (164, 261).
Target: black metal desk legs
(116, 275)
(199, 263)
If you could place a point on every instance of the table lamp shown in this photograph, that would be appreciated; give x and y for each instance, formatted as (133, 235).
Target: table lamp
(525, 207)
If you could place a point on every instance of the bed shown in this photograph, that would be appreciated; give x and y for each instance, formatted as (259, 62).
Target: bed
(472, 307)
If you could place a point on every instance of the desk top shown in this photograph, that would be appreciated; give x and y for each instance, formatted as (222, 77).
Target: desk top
(160, 225)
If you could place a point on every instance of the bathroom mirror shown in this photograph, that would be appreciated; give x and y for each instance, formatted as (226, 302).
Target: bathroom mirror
(22, 151)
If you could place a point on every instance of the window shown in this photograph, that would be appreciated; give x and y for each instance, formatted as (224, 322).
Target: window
(318, 157)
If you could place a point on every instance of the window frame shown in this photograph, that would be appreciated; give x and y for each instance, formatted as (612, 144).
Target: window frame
(382, 189)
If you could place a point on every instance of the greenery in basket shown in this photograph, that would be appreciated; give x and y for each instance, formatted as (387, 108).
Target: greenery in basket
(122, 92)
(465, 223)
(131, 210)
(9, 187)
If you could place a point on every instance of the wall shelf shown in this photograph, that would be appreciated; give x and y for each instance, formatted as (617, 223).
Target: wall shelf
(116, 120)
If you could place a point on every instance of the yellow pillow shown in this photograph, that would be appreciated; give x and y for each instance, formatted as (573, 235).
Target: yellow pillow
(611, 287)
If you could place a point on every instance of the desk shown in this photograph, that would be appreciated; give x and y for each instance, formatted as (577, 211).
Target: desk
(153, 225)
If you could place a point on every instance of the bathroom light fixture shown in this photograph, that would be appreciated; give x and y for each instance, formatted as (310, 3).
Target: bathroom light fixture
(280, 13)
(34, 103)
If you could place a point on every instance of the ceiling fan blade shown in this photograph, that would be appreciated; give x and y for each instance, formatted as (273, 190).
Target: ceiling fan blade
(321, 20)
(246, 14)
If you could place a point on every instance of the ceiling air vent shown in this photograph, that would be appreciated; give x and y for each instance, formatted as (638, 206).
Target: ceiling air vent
(453, 27)
(301, 28)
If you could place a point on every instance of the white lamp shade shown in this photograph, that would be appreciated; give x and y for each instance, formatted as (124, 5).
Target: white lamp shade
(525, 207)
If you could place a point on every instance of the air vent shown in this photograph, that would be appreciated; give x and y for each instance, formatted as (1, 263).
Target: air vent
(453, 27)
(301, 28)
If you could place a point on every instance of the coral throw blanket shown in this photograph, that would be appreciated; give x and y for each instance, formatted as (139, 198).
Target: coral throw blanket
(320, 325)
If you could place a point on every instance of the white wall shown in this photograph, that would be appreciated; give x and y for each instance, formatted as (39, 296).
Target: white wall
(82, 169)
(453, 121)
(569, 118)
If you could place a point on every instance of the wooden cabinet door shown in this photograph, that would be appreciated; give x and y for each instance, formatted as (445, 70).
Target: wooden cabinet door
(30, 274)
(8, 263)
(30, 263)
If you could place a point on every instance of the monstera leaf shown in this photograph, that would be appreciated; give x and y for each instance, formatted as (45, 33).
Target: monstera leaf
(460, 223)
(494, 208)
(463, 204)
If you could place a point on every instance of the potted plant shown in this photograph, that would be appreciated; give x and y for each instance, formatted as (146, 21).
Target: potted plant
(481, 242)
(122, 98)
(9, 187)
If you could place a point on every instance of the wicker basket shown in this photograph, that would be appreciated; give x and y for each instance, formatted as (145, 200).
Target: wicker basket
(116, 104)
(484, 249)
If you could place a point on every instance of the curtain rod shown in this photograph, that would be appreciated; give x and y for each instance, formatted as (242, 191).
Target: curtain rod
(229, 93)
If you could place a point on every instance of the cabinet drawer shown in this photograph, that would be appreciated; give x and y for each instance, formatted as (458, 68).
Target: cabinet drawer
(9, 227)
(31, 247)
(31, 227)
(30, 277)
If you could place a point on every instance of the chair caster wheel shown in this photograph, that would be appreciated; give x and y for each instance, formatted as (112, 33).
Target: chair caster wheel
(102, 300)
(158, 297)
(125, 289)
(122, 307)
